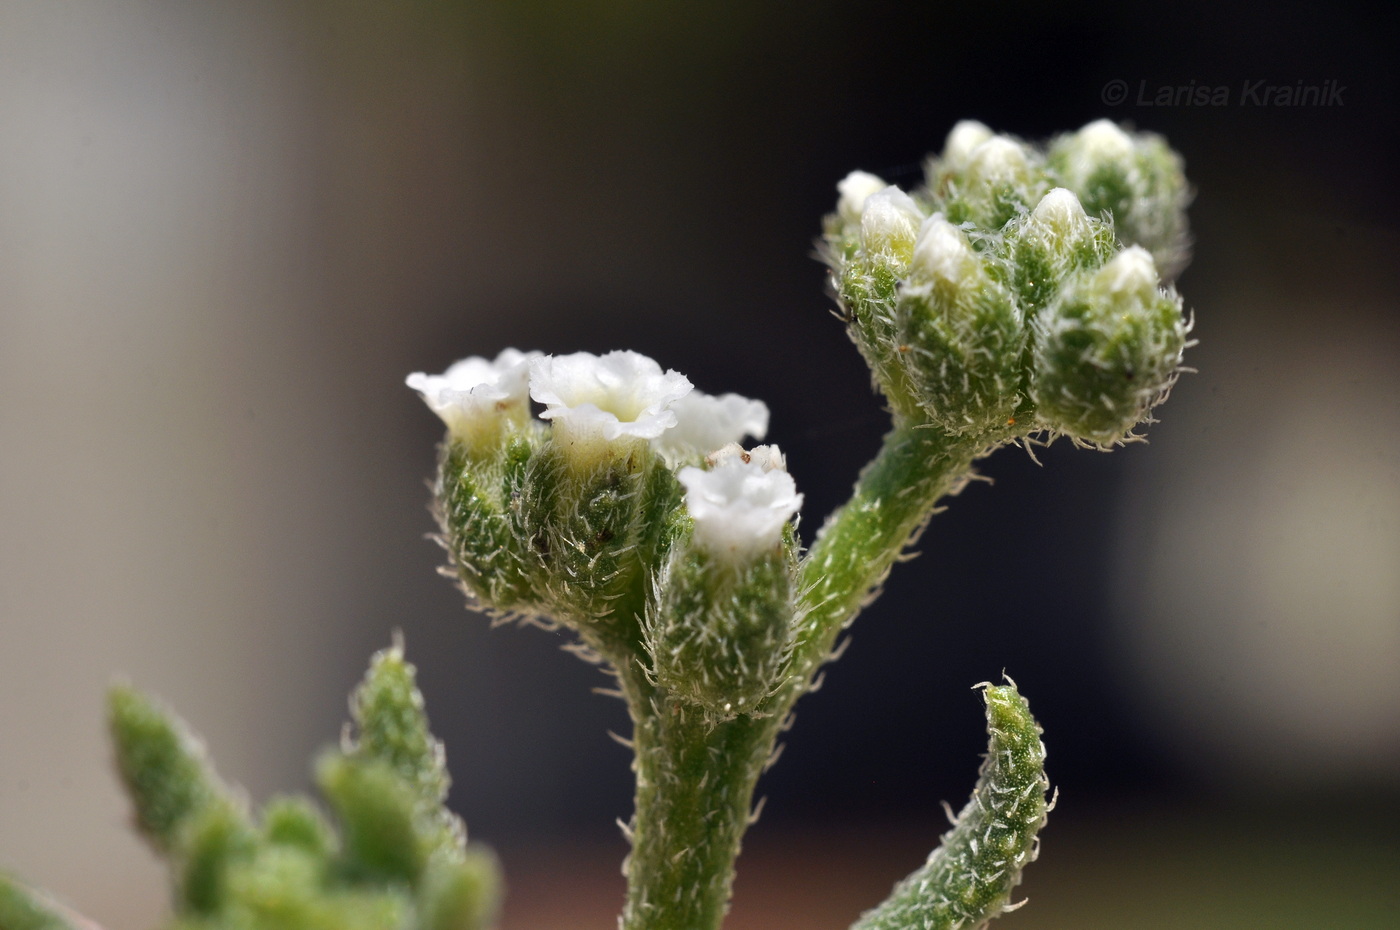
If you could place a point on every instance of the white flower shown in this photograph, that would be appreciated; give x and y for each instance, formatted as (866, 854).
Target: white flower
(705, 422)
(592, 397)
(472, 394)
(855, 189)
(742, 503)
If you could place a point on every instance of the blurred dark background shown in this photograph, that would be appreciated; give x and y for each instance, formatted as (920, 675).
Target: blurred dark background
(228, 230)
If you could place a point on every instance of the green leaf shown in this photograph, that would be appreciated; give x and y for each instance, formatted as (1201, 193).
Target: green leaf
(968, 879)
(22, 909)
(162, 765)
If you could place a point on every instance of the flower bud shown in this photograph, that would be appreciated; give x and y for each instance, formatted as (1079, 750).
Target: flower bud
(889, 221)
(1052, 241)
(720, 630)
(1106, 350)
(1135, 178)
(965, 136)
(990, 182)
(855, 188)
(962, 332)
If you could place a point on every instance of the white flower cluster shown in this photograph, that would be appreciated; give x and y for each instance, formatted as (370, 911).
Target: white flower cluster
(589, 398)
(741, 504)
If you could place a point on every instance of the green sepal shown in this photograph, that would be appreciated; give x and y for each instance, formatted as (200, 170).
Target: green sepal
(162, 765)
(599, 525)
(296, 822)
(968, 879)
(477, 502)
(215, 840)
(721, 631)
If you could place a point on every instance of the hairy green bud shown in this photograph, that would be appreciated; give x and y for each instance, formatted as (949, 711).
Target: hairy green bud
(986, 182)
(1047, 245)
(721, 630)
(962, 332)
(1107, 350)
(460, 892)
(392, 726)
(1134, 178)
(477, 506)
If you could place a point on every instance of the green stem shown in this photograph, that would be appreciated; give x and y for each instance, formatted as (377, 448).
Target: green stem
(895, 495)
(696, 774)
(695, 780)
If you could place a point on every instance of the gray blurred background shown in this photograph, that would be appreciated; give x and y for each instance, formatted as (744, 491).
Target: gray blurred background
(229, 229)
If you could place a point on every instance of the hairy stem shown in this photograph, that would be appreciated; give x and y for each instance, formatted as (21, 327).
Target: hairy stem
(696, 774)
(695, 779)
(896, 493)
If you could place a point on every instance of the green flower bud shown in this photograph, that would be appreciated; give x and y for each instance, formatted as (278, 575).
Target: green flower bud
(721, 634)
(986, 180)
(866, 271)
(963, 333)
(461, 892)
(380, 820)
(720, 629)
(1137, 180)
(1107, 350)
(163, 766)
(1051, 242)
(595, 535)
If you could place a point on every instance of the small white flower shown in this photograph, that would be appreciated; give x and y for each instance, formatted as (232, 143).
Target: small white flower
(855, 189)
(705, 422)
(889, 216)
(606, 397)
(472, 394)
(742, 503)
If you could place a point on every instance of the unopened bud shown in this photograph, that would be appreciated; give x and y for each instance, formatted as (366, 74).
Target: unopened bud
(1136, 179)
(889, 222)
(1107, 350)
(962, 333)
